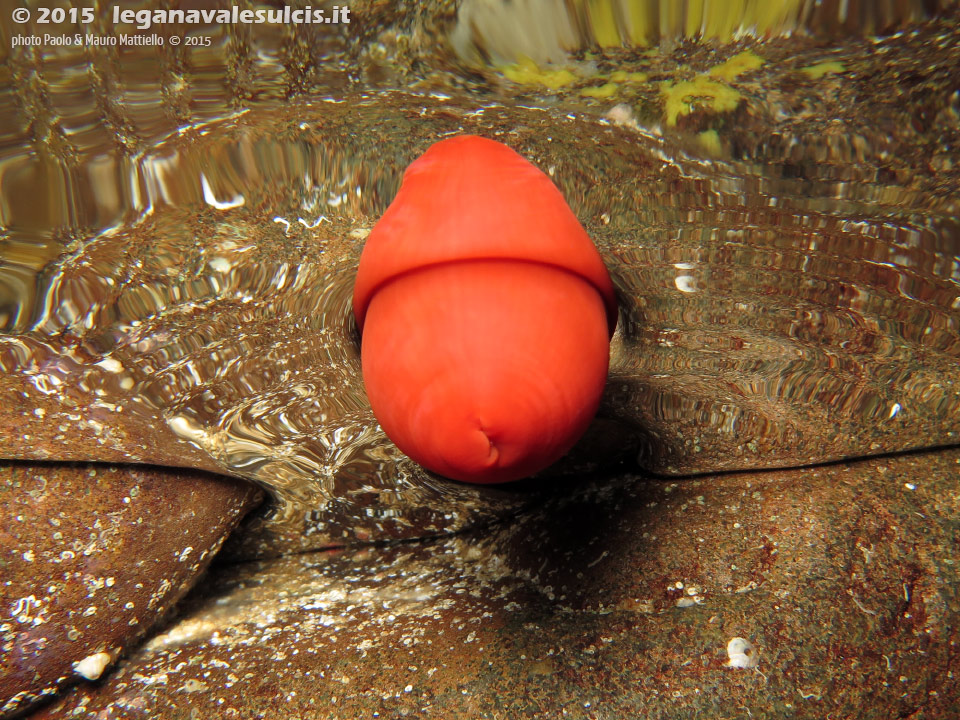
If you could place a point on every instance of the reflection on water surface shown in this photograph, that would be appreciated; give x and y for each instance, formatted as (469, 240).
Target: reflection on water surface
(180, 233)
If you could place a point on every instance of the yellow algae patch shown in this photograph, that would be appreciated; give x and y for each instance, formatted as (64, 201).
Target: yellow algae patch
(736, 66)
(710, 141)
(682, 96)
(705, 91)
(602, 92)
(622, 76)
(527, 72)
(815, 72)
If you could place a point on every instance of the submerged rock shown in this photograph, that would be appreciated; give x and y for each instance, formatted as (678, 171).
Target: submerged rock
(92, 557)
(829, 591)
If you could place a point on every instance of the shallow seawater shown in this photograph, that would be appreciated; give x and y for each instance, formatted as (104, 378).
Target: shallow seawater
(179, 239)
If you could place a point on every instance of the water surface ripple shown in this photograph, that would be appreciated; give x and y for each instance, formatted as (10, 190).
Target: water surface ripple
(793, 300)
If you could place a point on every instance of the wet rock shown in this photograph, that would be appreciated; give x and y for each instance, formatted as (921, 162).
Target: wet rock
(69, 422)
(92, 556)
(811, 593)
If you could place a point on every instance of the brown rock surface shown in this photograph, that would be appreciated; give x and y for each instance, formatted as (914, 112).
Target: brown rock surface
(618, 602)
(92, 556)
(74, 425)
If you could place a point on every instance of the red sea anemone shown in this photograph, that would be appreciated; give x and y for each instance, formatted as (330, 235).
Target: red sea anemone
(486, 314)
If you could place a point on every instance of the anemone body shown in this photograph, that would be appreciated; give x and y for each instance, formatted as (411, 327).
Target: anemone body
(486, 314)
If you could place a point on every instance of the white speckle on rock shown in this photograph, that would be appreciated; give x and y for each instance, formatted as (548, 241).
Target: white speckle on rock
(192, 685)
(92, 666)
(622, 115)
(742, 653)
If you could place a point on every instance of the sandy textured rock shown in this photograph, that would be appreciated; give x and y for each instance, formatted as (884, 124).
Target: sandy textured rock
(92, 556)
(624, 601)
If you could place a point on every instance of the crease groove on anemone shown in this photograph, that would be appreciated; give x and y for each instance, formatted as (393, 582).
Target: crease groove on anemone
(493, 455)
(613, 313)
